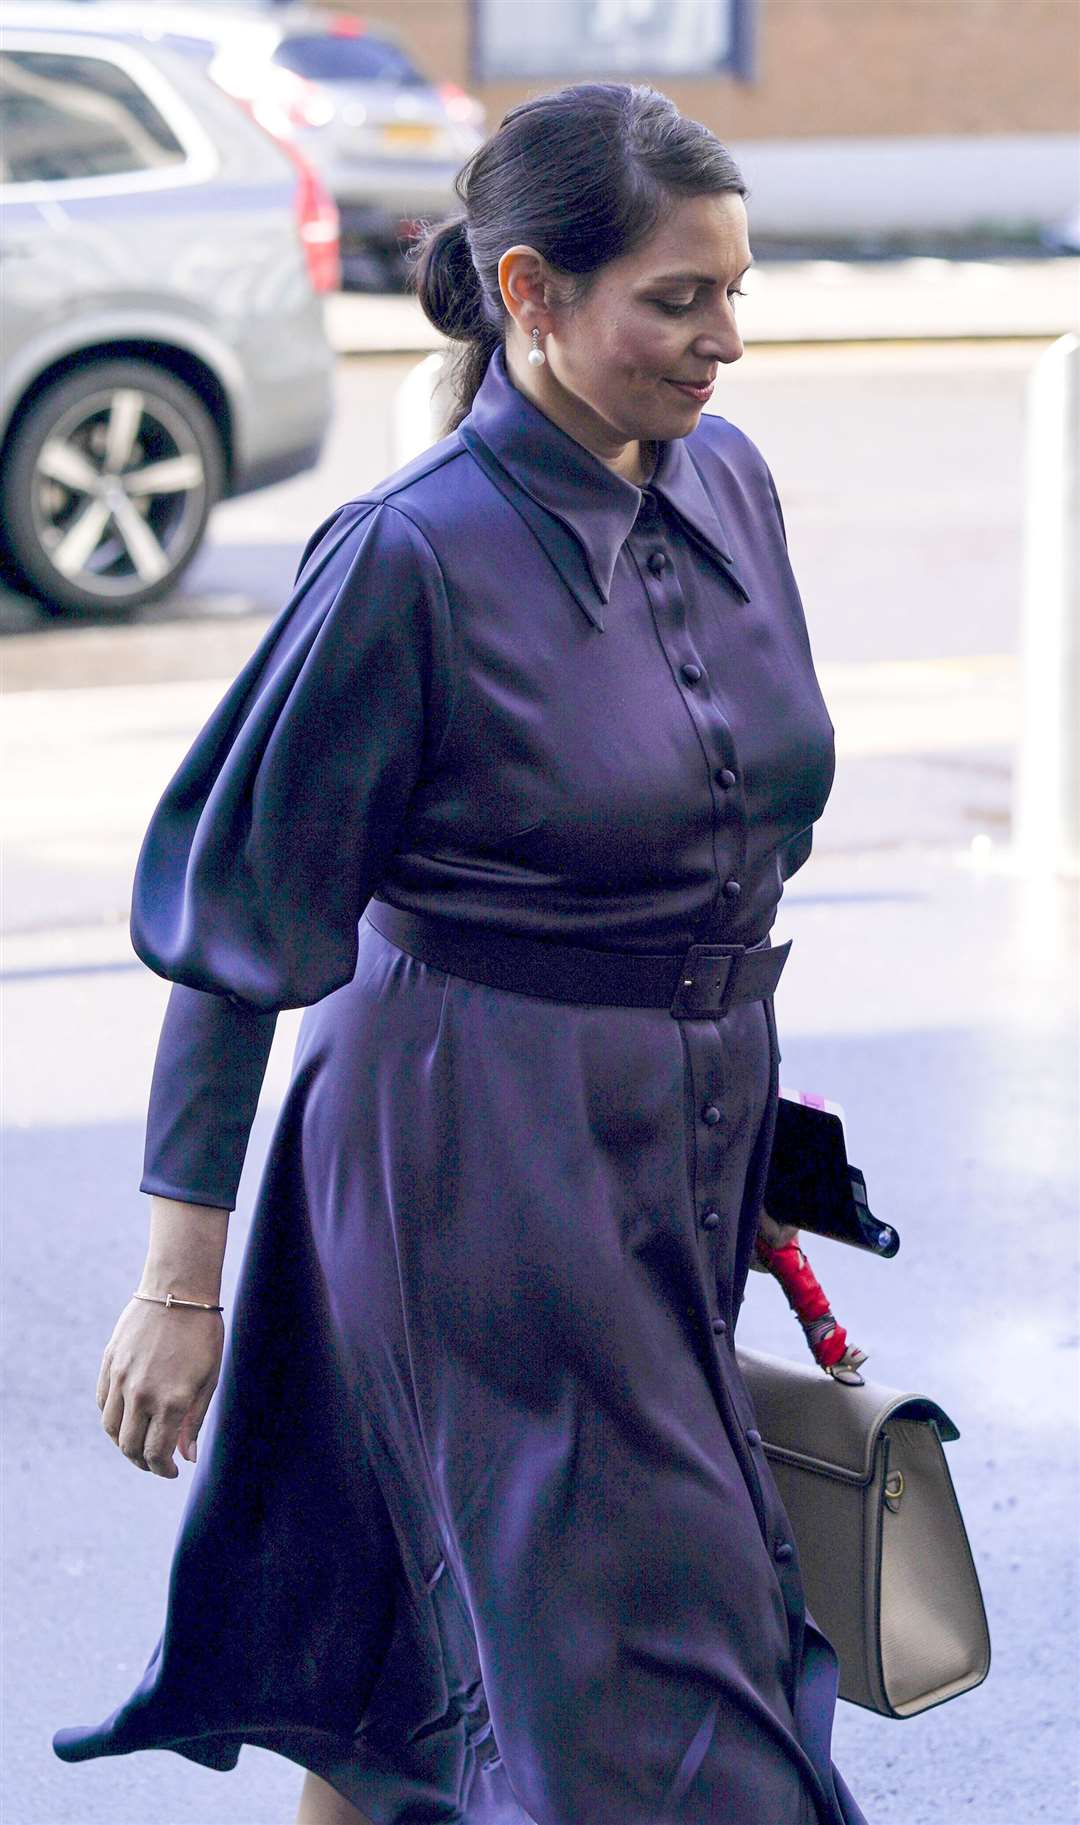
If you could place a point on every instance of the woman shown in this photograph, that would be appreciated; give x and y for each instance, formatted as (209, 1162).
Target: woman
(506, 797)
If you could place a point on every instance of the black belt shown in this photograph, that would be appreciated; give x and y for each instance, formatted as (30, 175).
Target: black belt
(700, 984)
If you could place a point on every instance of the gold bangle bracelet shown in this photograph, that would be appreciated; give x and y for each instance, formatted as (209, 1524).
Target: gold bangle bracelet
(170, 1300)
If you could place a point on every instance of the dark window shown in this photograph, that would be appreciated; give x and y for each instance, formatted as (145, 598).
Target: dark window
(69, 116)
(334, 57)
(610, 39)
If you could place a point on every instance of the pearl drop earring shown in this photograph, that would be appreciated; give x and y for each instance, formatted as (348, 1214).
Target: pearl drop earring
(537, 357)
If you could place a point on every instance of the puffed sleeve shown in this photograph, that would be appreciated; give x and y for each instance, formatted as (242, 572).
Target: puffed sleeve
(278, 826)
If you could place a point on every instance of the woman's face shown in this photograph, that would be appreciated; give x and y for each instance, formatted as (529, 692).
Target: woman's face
(635, 360)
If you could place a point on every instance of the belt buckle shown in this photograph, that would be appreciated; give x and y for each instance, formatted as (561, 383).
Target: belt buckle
(704, 977)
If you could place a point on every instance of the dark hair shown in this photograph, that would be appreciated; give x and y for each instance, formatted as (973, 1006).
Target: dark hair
(583, 176)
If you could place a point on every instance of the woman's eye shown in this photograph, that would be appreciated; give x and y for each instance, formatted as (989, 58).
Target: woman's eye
(671, 309)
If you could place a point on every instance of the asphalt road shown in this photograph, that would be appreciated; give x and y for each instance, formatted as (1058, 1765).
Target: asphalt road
(931, 991)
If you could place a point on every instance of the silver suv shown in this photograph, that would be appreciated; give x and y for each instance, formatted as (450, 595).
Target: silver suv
(164, 346)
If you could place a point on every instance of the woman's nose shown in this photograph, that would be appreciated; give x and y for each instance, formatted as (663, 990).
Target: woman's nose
(723, 344)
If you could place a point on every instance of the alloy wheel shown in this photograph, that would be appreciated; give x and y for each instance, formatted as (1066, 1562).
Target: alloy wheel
(119, 483)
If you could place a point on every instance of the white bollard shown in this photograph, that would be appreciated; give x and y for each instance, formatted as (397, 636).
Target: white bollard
(421, 407)
(1046, 802)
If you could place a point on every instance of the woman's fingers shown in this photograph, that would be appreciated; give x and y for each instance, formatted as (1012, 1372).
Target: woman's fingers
(120, 1417)
(192, 1421)
(112, 1410)
(148, 1439)
(104, 1379)
(188, 1442)
(777, 1235)
(156, 1382)
(160, 1442)
(133, 1427)
(141, 1433)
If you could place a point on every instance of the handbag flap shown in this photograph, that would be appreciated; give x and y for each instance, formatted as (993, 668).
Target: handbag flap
(808, 1417)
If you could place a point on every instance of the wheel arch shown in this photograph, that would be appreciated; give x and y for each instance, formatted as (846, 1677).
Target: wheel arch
(184, 364)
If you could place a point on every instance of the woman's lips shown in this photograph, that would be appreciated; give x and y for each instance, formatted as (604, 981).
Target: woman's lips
(700, 394)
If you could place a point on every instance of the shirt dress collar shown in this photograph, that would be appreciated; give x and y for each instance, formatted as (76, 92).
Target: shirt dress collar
(579, 509)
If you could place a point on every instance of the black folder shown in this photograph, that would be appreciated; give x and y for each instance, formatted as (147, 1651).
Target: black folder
(812, 1183)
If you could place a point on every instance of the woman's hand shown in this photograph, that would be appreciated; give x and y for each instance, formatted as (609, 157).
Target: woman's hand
(777, 1235)
(777, 1252)
(161, 1365)
(158, 1374)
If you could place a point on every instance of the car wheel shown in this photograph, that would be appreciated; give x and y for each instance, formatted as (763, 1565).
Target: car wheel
(108, 486)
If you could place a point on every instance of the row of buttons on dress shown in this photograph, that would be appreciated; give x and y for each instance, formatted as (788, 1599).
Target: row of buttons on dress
(692, 674)
(783, 1550)
(711, 1220)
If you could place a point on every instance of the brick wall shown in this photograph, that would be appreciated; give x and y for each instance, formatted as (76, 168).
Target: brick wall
(843, 67)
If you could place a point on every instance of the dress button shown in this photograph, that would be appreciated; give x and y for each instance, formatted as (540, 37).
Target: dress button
(691, 672)
(658, 562)
(753, 1436)
(726, 778)
(711, 1220)
(732, 890)
(719, 1326)
(783, 1551)
(710, 1115)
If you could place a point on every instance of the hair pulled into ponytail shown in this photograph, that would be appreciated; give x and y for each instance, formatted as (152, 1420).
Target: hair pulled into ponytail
(452, 297)
(583, 176)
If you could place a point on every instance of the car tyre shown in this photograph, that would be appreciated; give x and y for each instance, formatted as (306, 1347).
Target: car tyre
(108, 484)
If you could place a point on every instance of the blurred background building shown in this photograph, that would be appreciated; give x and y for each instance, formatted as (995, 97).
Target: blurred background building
(852, 118)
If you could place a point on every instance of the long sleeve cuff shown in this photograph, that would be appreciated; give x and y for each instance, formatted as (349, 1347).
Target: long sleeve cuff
(211, 1060)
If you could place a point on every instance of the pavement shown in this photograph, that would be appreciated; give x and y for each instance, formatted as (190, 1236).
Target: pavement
(827, 300)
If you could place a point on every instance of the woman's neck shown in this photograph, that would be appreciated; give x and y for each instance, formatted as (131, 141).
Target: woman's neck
(634, 462)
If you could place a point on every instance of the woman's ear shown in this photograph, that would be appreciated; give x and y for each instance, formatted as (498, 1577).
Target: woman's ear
(525, 288)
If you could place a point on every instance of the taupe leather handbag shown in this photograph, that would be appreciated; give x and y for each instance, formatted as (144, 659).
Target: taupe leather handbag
(886, 1564)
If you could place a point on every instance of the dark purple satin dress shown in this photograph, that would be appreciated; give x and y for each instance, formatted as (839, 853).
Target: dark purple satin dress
(506, 1551)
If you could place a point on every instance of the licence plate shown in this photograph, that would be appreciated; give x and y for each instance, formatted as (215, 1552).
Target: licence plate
(405, 133)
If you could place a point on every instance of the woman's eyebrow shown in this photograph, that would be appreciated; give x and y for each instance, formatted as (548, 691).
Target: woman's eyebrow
(693, 278)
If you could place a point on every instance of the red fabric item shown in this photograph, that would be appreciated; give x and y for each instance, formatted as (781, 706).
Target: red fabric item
(805, 1296)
